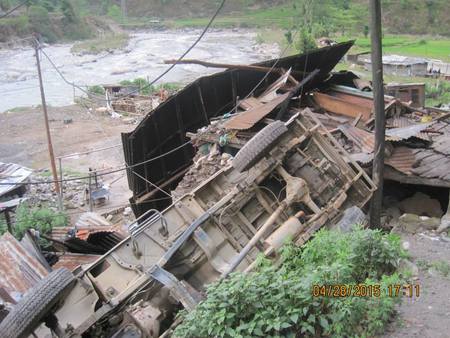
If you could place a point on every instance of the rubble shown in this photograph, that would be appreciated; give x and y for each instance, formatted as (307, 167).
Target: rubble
(258, 167)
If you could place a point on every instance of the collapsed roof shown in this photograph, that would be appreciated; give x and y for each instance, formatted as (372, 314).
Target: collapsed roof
(218, 108)
(165, 128)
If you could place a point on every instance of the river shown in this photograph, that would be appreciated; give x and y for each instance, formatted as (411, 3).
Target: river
(143, 57)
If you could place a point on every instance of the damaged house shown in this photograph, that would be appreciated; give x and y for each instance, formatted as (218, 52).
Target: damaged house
(223, 171)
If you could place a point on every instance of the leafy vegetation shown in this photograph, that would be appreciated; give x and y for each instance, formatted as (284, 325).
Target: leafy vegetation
(147, 89)
(3, 225)
(53, 20)
(42, 219)
(438, 92)
(443, 267)
(98, 90)
(277, 301)
(105, 43)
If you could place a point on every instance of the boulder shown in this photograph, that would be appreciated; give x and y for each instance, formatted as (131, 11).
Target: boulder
(412, 223)
(422, 205)
(351, 217)
(444, 224)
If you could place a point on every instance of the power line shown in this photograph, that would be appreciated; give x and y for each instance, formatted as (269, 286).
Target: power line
(13, 10)
(159, 76)
(171, 151)
(186, 52)
(102, 173)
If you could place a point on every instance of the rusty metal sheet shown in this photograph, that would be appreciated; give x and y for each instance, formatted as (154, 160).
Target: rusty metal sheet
(442, 144)
(12, 173)
(413, 130)
(89, 219)
(250, 103)
(62, 233)
(365, 140)
(19, 270)
(271, 92)
(247, 119)
(345, 104)
(72, 260)
(403, 159)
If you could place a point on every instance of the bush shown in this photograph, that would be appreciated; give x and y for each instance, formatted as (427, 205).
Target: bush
(97, 90)
(3, 225)
(146, 89)
(278, 301)
(41, 219)
(40, 23)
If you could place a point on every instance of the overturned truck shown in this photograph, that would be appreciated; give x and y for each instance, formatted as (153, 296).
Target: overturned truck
(288, 180)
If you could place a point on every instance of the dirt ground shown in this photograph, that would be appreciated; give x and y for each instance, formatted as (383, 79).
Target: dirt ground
(23, 141)
(427, 316)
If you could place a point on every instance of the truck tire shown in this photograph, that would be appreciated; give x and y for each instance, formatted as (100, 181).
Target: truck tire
(258, 146)
(34, 306)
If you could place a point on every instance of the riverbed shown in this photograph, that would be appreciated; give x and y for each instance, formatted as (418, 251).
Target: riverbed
(143, 57)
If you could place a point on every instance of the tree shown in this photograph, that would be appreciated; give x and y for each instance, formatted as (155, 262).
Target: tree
(5, 5)
(366, 31)
(305, 41)
(68, 11)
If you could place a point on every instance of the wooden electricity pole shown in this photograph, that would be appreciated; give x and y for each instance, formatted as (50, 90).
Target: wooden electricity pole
(47, 127)
(378, 99)
(123, 5)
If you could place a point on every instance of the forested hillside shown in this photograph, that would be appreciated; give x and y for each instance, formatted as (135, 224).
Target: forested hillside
(78, 19)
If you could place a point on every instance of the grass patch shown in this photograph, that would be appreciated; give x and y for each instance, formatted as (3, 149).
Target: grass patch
(101, 44)
(275, 16)
(420, 46)
(278, 300)
(442, 267)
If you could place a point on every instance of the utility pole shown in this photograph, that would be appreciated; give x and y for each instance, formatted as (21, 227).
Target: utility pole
(123, 4)
(378, 100)
(47, 127)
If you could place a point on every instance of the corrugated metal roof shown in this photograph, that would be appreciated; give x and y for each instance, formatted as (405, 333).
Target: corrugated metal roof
(402, 159)
(72, 260)
(19, 270)
(12, 173)
(248, 118)
(365, 140)
(403, 133)
(431, 164)
(89, 219)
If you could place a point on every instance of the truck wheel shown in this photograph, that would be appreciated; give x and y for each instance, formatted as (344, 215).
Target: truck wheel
(34, 306)
(258, 146)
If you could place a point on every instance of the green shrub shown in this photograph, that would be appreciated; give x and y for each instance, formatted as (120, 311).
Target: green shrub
(40, 23)
(277, 301)
(3, 225)
(98, 90)
(41, 219)
(146, 89)
(115, 13)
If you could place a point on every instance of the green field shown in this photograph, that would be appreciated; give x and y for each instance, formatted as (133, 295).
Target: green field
(423, 46)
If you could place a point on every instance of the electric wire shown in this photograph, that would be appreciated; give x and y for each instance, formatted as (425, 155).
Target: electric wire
(101, 173)
(12, 10)
(159, 77)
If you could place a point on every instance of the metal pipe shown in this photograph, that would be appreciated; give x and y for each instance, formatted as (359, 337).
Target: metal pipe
(270, 221)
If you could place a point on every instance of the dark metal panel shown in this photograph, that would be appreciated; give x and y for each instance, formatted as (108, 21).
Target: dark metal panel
(218, 98)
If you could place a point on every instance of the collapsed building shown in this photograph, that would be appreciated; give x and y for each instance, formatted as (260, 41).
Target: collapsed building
(223, 171)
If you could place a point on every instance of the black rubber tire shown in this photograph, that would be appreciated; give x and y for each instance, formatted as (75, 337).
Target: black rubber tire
(258, 146)
(34, 306)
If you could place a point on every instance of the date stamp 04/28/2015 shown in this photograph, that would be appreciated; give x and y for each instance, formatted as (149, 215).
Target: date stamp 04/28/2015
(366, 290)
